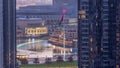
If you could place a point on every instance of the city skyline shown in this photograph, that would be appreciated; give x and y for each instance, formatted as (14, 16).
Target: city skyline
(39, 34)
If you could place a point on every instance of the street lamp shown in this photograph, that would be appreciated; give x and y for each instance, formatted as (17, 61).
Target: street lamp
(64, 39)
(64, 44)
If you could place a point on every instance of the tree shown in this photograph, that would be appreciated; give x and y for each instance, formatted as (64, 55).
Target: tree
(48, 60)
(60, 59)
(70, 59)
(36, 60)
(24, 61)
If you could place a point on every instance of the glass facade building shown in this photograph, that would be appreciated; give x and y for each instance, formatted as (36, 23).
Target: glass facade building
(1, 34)
(86, 33)
(98, 33)
(117, 34)
(7, 34)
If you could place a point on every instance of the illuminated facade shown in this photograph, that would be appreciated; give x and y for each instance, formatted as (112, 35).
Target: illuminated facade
(36, 31)
(30, 26)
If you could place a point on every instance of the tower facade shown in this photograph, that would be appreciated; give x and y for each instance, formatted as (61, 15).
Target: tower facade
(1, 34)
(117, 34)
(98, 33)
(7, 34)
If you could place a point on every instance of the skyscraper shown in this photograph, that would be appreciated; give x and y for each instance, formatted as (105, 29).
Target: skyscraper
(118, 34)
(98, 30)
(7, 34)
(1, 35)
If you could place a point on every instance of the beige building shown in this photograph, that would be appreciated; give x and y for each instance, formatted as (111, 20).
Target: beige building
(36, 31)
(30, 26)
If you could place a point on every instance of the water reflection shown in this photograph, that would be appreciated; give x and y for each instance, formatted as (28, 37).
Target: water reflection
(32, 44)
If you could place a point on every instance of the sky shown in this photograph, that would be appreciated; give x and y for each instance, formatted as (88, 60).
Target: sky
(21, 3)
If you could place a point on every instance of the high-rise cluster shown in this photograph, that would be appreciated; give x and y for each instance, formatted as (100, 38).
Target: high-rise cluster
(98, 33)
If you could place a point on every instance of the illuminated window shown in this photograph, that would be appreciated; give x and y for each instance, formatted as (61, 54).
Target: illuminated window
(117, 39)
(117, 66)
(83, 16)
(82, 12)
(91, 39)
(79, 17)
(117, 34)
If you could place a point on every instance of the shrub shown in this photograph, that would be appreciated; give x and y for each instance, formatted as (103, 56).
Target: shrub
(48, 60)
(24, 61)
(70, 59)
(59, 59)
(36, 60)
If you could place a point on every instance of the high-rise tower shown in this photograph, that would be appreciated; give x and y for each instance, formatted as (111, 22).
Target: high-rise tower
(7, 34)
(1, 34)
(98, 30)
(118, 34)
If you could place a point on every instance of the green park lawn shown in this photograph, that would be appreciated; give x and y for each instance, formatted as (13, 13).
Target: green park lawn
(53, 65)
